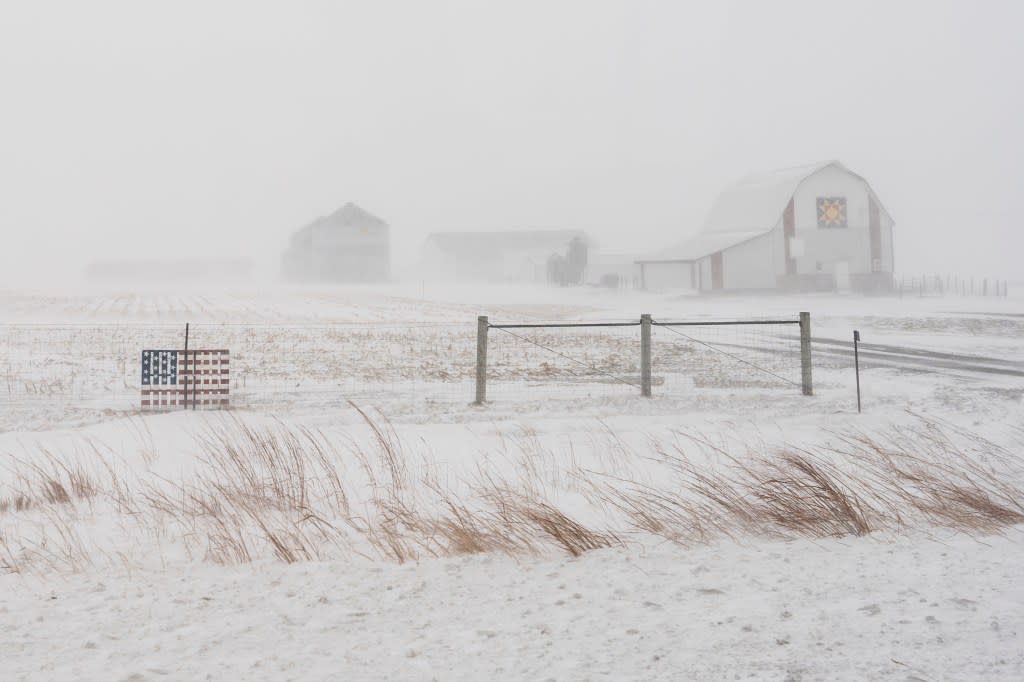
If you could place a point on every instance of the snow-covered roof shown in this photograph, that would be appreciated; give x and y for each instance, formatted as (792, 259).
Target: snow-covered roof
(699, 246)
(745, 210)
(756, 202)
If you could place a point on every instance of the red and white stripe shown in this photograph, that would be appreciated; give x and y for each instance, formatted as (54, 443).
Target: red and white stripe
(204, 380)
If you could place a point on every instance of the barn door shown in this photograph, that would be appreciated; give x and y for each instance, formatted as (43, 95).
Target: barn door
(716, 271)
(875, 226)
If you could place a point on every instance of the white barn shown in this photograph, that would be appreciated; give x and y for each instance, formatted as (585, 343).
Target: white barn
(810, 228)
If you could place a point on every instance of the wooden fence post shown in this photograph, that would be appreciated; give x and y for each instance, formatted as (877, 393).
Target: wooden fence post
(482, 326)
(805, 354)
(645, 355)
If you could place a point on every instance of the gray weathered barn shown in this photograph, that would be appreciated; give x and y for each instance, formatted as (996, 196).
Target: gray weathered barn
(811, 228)
(349, 245)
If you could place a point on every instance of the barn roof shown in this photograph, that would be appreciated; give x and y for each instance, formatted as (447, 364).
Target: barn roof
(349, 215)
(511, 239)
(745, 210)
(699, 246)
(756, 202)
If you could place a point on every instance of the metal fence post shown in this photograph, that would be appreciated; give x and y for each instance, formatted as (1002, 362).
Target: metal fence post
(184, 395)
(481, 359)
(856, 364)
(805, 353)
(645, 355)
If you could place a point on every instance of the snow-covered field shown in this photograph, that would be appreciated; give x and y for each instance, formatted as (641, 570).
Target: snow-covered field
(355, 516)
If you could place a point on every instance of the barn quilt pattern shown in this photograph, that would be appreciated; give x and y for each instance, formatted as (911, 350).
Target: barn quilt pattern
(831, 211)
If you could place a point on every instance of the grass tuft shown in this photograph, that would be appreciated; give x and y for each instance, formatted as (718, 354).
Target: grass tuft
(293, 494)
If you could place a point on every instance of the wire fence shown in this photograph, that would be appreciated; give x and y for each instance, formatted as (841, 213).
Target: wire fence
(549, 361)
(55, 371)
(752, 354)
(61, 373)
(586, 360)
(949, 285)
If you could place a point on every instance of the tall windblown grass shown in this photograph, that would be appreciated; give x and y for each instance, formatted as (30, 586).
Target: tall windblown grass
(296, 494)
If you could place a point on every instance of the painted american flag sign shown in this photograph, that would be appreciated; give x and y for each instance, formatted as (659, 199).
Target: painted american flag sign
(179, 379)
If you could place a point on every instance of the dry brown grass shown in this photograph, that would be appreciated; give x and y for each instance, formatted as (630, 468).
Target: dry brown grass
(519, 513)
(916, 477)
(47, 479)
(296, 495)
(270, 488)
(274, 467)
(925, 473)
(804, 495)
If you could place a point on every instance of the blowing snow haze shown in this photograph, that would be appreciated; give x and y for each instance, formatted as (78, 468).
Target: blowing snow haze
(135, 131)
(511, 340)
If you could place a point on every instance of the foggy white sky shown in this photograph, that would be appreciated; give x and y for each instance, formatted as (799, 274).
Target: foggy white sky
(142, 128)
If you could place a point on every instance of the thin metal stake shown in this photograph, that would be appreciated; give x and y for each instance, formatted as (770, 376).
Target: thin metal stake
(185, 394)
(856, 364)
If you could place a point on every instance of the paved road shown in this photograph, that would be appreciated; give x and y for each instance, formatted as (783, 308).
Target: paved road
(901, 356)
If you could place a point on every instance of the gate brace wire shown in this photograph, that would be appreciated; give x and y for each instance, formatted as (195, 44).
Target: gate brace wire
(571, 359)
(734, 357)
